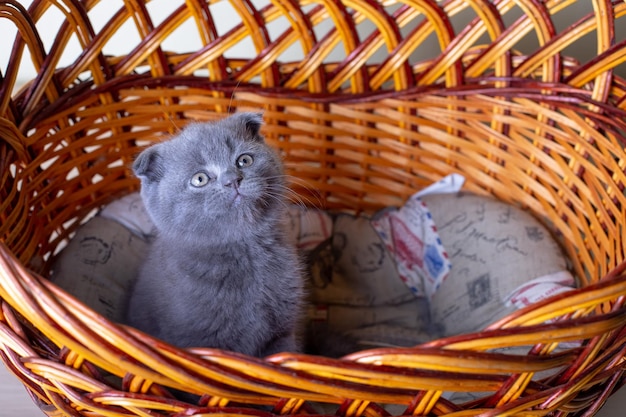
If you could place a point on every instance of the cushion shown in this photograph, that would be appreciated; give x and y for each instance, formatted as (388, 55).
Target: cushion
(502, 259)
(99, 265)
(478, 260)
(357, 300)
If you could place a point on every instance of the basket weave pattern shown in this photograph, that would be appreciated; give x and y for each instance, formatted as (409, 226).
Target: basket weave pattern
(364, 118)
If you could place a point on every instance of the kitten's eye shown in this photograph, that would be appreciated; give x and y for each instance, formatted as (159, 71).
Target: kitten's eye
(245, 160)
(199, 179)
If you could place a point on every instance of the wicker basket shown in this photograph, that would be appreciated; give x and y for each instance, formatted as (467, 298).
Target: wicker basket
(364, 120)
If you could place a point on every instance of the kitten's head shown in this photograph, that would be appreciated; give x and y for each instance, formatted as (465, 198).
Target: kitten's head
(213, 180)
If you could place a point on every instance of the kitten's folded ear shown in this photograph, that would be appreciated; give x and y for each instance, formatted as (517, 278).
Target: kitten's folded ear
(149, 165)
(252, 123)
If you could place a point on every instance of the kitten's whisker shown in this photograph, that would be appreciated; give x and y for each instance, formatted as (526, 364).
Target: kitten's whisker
(306, 221)
(273, 203)
(293, 196)
(280, 193)
(312, 199)
(232, 97)
(279, 196)
(314, 194)
(297, 200)
(173, 122)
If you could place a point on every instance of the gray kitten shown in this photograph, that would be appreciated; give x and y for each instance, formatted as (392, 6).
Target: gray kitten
(220, 272)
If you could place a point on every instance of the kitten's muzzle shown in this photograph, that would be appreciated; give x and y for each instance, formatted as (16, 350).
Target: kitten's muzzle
(231, 180)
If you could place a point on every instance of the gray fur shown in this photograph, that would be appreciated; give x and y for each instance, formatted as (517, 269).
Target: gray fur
(220, 272)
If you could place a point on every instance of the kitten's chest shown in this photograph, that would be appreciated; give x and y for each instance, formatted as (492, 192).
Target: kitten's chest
(228, 272)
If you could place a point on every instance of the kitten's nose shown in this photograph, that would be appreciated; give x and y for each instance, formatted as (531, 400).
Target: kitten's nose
(231, 179)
